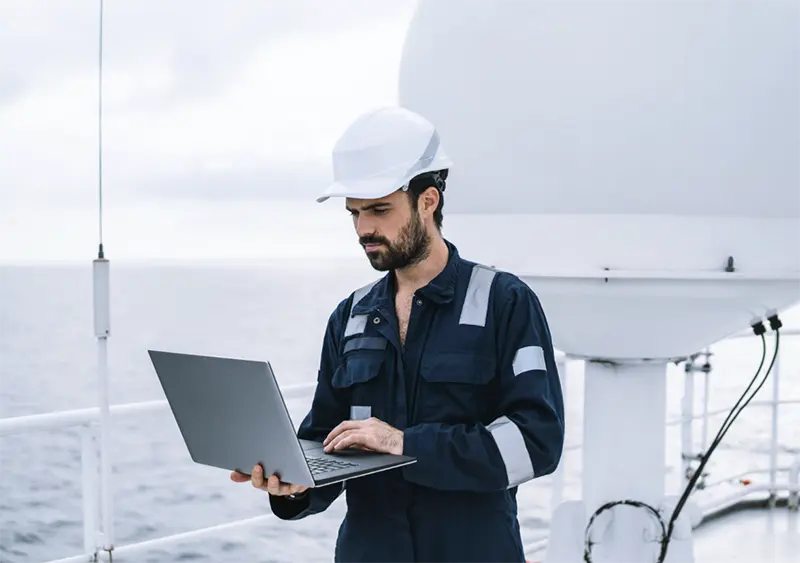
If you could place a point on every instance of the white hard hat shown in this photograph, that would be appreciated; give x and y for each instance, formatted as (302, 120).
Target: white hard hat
(381, 151)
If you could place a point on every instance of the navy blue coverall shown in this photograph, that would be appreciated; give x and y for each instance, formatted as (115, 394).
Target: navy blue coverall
(475, 390)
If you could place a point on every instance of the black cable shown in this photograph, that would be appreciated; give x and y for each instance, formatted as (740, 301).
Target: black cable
(726, 426)
(667, 529)
(587, 549)
(720, 434)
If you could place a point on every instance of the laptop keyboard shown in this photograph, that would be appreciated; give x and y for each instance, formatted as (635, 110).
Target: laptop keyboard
(326, 464)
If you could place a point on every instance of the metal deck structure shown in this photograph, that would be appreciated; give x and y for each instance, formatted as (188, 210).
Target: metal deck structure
(750, 534)
(732, 526)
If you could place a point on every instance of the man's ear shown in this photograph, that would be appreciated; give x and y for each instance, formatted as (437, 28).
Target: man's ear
(428, 201)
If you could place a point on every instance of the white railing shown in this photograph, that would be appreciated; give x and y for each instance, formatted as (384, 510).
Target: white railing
(87, 418)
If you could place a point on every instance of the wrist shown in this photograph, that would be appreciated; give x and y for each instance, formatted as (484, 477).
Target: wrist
(399, 443)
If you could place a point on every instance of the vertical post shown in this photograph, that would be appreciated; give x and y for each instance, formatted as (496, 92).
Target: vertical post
(773, 446)
(794, 483)
(102, 323)
(624, 433)
(706, 387)
(102, 327)
(687, 414)
(624, 456)
(557, 488)
(88, 482)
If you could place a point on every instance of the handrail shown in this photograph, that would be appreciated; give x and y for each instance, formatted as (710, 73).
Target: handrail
(740, 476)
(79, 417)
(85, 418)
(726, 410)
(138, 547)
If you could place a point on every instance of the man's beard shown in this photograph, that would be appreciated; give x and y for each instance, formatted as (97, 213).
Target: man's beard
(411, 247)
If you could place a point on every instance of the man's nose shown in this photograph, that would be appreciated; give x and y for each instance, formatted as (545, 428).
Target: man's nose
(364, 226)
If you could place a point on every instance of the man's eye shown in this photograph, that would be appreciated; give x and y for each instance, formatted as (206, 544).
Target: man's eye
(380, 211)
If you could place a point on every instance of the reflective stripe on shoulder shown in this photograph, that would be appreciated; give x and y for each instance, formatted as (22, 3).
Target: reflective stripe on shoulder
(356, 324)
(529, 358)
(476, 300)
(511, 444)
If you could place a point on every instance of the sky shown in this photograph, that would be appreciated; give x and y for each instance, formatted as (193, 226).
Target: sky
(218, 122)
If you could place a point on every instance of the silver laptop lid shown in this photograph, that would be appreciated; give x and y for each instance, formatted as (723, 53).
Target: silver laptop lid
(231, 414)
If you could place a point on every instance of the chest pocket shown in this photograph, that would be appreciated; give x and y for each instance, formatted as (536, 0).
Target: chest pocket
(455, 387)
(358, 372)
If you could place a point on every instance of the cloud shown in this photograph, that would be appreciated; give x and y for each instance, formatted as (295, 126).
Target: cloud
(291, 182)
(177, 229)
(52, 39)
(232, 99)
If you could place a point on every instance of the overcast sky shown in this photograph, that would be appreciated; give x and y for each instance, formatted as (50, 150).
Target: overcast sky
(219, 118)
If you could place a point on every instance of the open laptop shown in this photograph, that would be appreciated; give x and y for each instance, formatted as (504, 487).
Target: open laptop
(232, 415)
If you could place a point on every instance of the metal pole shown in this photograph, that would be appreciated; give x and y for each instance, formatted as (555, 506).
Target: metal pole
(706, 387)
(773, 446)
(102, 330)
(687, 408)
(102, 325)
(794, 483)
(89, 478)
(557, 488)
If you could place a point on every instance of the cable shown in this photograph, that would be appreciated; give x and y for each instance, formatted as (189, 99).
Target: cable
(587, 549)
(758, 329)
(722, 431)
(667, 529)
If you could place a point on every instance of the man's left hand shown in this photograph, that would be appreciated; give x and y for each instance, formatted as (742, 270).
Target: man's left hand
(371, 434)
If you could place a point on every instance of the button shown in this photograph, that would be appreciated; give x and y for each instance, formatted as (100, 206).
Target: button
(376, 320)
(419, 301)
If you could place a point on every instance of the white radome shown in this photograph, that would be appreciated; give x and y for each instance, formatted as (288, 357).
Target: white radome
(615, 154)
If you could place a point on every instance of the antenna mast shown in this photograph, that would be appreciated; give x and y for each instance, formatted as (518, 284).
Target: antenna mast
(102, 330)
(100, 253)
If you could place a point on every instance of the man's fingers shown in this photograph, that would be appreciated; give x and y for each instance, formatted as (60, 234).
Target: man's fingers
(270, 484)
(351, 438)
(343, 427)
(335, 441)
(277, 488)
(273, 485)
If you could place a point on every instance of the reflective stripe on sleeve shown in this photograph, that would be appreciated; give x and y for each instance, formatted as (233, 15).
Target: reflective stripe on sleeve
(511, 444)
(529, 358)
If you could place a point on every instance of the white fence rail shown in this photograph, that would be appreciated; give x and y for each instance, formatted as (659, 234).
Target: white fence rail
(87, 418)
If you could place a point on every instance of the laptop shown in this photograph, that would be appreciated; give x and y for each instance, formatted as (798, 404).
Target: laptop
(232, 415)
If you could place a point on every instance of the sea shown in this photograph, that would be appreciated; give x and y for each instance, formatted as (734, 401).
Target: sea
(274, 311)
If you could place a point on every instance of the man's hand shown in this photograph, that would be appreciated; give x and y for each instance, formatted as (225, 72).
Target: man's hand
(371, 434)
(272, 485)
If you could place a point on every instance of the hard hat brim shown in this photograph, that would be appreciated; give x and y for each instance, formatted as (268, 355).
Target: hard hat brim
(381, 186)
(372, 188)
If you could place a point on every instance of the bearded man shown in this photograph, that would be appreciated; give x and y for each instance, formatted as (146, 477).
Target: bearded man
(442, 359)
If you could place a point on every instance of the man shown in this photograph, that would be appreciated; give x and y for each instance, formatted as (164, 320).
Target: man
(442, 359)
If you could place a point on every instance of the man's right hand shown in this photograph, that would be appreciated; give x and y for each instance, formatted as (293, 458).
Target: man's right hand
(272, 485)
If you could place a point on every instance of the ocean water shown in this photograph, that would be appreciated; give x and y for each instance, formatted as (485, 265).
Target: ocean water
(274, 311)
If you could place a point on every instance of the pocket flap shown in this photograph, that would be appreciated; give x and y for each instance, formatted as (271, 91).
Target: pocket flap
(458, 367)
(358, 367)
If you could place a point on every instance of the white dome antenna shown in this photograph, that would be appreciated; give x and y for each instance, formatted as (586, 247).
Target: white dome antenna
(638, 164)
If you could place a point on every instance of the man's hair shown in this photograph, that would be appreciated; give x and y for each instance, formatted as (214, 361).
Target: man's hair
(426, 180)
